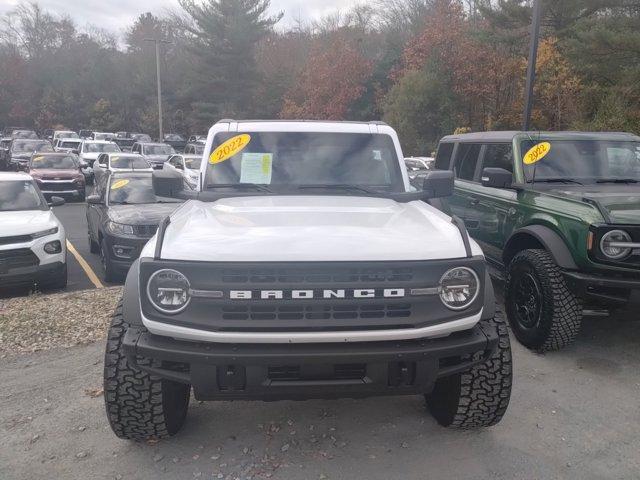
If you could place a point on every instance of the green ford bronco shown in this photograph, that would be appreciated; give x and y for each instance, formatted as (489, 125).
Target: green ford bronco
(558, 215)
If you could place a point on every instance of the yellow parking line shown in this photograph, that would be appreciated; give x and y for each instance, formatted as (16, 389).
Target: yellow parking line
(85, 266)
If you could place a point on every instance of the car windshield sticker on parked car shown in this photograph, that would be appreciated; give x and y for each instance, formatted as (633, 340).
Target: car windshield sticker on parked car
(229, 149)
(119, 184)
(38, 159)
(256, 168)
(537, 153)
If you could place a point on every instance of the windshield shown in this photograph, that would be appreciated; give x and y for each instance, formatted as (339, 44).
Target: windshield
(57, 162)
(583, 161)
(26, 146)
(193, 163)
(297, 159)
(129, 163)
(158, 150)
(20, 195)
(197, 149)
(173, 138)
(102, 136)
(100, 148)
(133, 191)
(67, 135)
(24, 134)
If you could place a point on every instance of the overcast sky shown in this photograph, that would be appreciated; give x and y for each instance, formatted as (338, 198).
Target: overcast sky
(117, 15)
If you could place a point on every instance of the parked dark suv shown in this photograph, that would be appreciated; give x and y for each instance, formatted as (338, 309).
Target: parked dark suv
(558, 214)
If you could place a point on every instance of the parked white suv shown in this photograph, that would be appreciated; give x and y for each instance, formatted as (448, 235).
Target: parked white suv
(33, 247)
(305, 267)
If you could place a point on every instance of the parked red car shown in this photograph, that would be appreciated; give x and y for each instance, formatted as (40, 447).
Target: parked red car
(58, 174)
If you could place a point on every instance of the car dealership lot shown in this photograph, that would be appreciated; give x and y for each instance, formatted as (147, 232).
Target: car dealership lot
(574, 414)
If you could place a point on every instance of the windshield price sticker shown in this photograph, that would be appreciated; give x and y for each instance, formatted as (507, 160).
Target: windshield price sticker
(119, 184)
(38, 159)
(537, 153)
(256, 168)
(229, 149)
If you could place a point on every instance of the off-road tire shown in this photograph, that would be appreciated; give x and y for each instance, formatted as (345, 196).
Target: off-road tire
(139, 406)
(561, 310)
(480, 396)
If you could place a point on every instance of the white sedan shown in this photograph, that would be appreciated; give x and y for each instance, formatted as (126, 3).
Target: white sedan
(33, 247)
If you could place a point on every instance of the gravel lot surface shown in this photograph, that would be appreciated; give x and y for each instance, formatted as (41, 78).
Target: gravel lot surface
(41, 322)
(574, 414)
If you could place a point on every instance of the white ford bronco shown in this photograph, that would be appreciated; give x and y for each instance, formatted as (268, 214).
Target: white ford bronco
(305, 266)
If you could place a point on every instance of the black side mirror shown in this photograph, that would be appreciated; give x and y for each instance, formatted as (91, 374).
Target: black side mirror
(438, 184)
(168, 183)
(94, 200)
(56, 202)
(497, 178)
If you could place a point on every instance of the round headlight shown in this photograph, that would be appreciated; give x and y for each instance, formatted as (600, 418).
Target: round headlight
(610, 244)
(459, 288)
(168, 291)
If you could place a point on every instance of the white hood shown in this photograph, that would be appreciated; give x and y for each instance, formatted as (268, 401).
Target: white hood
(308, 229)
(26, 222)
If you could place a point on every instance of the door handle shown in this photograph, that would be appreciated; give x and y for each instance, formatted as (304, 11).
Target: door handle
(475, 202)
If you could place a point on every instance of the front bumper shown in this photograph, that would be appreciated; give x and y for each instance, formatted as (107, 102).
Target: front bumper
(132, 247)
(304, 371)
(614, 291)
(39, 274)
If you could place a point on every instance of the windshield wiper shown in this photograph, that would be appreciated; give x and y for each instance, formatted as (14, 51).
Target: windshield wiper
(618, 180)
(557, 180)
(240, 186)
(346, 187)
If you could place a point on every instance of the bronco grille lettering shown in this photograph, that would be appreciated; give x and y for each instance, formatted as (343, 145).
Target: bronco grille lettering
(362, 293)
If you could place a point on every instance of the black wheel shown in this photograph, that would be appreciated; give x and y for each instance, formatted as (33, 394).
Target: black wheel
(93, 246)
(108, 271)
(544, 314)
(480, 396)
(139, 406)
(60, 282)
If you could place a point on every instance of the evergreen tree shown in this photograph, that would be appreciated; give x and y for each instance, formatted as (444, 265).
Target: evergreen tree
(225, 35)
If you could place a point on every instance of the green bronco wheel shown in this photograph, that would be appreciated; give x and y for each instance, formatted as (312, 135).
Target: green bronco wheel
(544, 314)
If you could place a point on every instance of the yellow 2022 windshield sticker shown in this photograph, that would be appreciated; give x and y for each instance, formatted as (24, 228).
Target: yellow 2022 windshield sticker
(229, 149)
(537, 153)
(119, 184)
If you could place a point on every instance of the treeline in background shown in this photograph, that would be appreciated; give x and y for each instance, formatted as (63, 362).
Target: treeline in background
(427, 67)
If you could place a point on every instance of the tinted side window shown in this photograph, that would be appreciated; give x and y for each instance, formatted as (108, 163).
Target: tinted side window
(499, 156)
(443, 157)
(467, 160)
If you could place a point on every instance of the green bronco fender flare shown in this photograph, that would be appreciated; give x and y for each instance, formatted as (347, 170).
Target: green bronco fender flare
(550, 240)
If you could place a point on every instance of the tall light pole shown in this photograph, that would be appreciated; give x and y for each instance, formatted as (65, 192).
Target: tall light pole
(531, 69)
(157, 43)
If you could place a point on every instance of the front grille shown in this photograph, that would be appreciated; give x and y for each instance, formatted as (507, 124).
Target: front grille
(293, 373)
(19, 258)
(328, 312)
(58, 187)
(145, 231)
(16, 239)
(316, 275)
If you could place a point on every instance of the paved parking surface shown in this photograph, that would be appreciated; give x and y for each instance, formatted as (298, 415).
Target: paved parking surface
(573, 415)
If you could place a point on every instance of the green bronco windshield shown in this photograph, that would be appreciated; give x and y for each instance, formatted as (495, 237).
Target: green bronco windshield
(581, 161)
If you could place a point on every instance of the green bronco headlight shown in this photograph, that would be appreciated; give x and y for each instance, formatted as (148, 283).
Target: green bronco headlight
(168, 291)
(613, 244)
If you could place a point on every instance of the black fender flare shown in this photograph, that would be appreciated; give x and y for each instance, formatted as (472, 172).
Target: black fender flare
(131, 296)
(550, 240)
